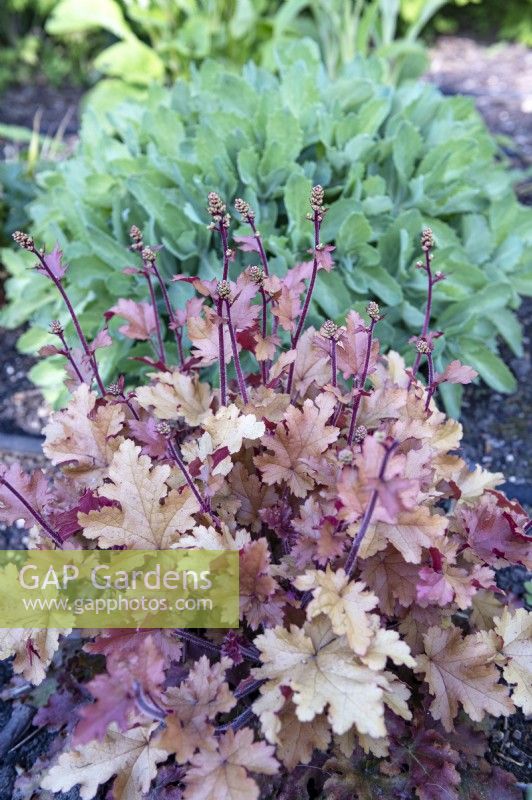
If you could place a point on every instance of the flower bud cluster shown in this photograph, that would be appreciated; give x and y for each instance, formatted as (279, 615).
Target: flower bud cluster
(23, 240)
(218, 211)
(244, 209)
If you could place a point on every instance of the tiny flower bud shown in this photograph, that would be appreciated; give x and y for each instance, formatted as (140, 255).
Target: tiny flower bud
(224, 290)
(148, 255)
(427, 239)
(345, 456)
(56, 327)
(163, 428)
(23, 240)
(114, 389)
(360, 433)
(316, 198)
(135, 234)
(420, 265)
(256, 274)
(244, 209)
(216, 207)
(329, 330)
(373, 311)
(423, 347)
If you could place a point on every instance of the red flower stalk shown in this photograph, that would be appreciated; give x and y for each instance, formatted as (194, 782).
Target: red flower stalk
(220, 222)
(57, 329)
(427, 245)
(248, 215)
(318, 213)
(224, 292)
(55, 275)
(34, 513)
(366, 519)
(374, 312)
(148, 261)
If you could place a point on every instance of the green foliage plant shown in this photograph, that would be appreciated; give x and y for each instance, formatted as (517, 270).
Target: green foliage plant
(392, 159)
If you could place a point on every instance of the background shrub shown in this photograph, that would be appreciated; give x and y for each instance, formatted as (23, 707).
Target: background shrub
(392, 159)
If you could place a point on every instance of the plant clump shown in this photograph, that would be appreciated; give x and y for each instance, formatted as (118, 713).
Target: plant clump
(374, 652)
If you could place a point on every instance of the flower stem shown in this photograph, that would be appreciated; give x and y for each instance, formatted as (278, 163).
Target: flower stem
(204, 506)
(333, 364)
(223, 236)
(160, 343)
(428, 311)
(170, 312)
(59, 286)
(237, 723)
(363, 378)
(264, 368)
(221, 353)
(70, 357)
(366, 519)
(236, 357)
(34, 513)
(317, 217)
(430, 380)
(262, 252)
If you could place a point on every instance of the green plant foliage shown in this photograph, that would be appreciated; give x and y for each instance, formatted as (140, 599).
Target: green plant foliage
(154, 39)
(392, 160)
(26, 50)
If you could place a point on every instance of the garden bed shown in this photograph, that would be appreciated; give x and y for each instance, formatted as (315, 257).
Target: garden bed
(494, 424)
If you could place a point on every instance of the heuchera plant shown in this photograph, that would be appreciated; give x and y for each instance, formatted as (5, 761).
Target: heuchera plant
(375, 649)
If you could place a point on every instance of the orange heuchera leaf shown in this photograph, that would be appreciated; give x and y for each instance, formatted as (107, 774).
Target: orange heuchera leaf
(203, 333)
(493, 528)
(130, 756)
(460, 671)
(391, 578)
(81, 437)
(220, 771)
(345, 602)
(302, 436)
(311, 365)
(395, 493)
(258, 589)
(34, 488)
(140, 318)
(193, 706)
(515, 631)
(142, 520)
(412, 531)
(452, 584)
(33, 649)
(323, 674)
(175, 395)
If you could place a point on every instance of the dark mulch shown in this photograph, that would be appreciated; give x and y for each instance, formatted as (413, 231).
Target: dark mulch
(497, 427)
(57, 107)
(499, 77)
